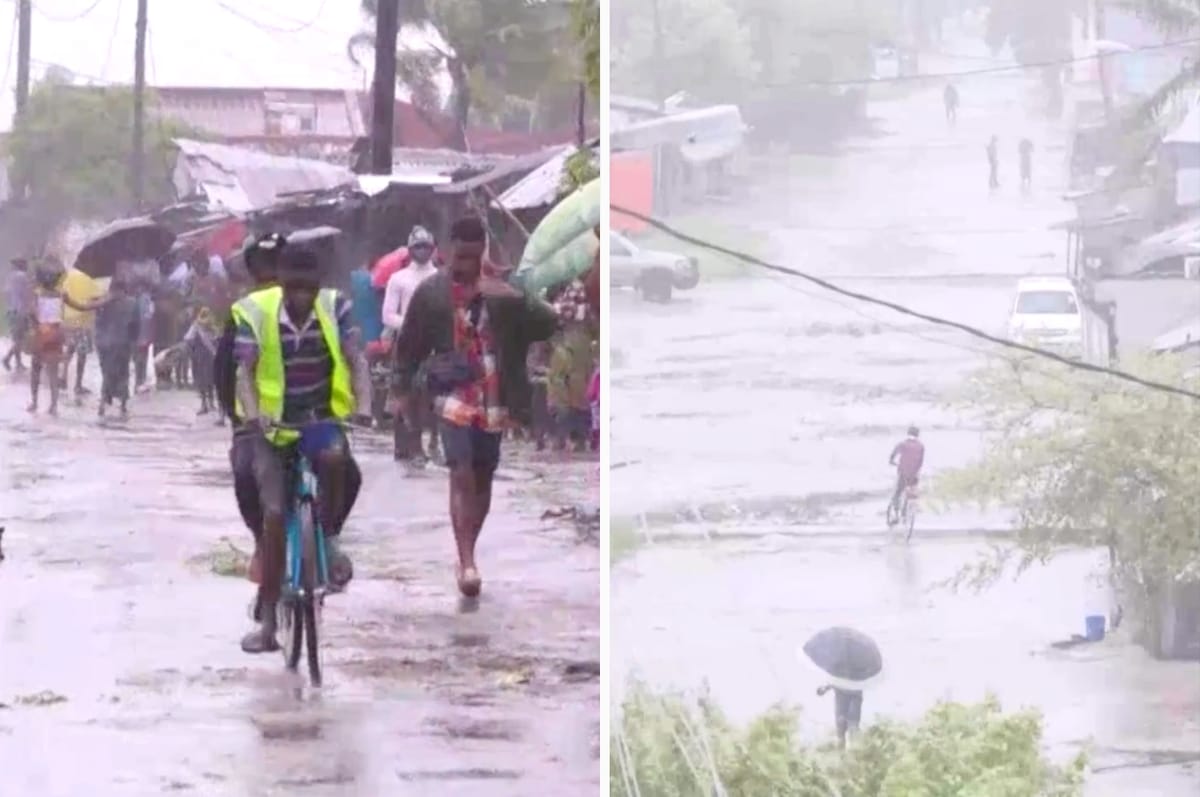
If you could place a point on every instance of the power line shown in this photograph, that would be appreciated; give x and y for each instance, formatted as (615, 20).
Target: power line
(112, 38)
(303, 26)
(68, 17)
(992, 69)
(862, 297)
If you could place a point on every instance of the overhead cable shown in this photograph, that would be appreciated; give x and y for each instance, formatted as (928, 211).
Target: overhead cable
(899, 308)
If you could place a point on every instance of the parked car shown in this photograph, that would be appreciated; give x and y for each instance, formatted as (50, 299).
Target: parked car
(654, 274)
(1046, 314)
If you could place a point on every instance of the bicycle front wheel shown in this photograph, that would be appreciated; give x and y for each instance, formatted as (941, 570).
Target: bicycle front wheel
(910, 518)
(307, 607)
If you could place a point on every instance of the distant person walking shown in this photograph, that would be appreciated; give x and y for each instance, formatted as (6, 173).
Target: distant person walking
(19, 310)
(1025, 155)
(993, 156)
(950, 100)
(118, 324)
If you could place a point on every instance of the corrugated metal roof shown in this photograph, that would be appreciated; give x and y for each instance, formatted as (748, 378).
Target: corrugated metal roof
(242, 180)
(505, 168)
(540, 187)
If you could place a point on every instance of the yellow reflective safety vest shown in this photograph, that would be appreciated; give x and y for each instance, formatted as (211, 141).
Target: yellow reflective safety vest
(260, 311)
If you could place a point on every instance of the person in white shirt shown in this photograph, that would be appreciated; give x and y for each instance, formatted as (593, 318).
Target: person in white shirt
(403, 284)
(400, 289)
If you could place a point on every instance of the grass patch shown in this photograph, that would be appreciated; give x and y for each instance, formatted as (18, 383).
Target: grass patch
(225, 560)
(623, 540)
(712, 225)
(668, 744)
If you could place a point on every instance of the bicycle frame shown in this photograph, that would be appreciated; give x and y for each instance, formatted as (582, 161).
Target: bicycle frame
(304, 499)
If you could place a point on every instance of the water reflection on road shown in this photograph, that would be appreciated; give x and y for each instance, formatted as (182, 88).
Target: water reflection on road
(120, 671)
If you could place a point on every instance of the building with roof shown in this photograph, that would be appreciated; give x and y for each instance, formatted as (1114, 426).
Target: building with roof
(327, 123)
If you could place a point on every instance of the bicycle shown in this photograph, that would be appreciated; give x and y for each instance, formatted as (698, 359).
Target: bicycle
(906, 515)
(306, 573)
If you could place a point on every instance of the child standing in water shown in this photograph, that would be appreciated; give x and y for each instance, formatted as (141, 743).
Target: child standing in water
(49, 336)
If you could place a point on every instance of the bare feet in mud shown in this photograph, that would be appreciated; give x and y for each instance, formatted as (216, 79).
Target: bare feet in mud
(470, 583)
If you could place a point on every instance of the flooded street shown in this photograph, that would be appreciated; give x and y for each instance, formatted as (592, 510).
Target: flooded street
(752, 423)
(120, 635)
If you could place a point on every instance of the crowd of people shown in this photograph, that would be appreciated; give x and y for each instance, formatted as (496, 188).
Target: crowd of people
(59, 317)
(453, 347)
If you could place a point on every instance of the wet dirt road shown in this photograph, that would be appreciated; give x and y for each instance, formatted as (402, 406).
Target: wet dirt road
(119, 641)
(752, 421)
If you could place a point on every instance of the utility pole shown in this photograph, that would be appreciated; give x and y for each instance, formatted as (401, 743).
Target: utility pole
(659, 75)
(24, 43)
(24, 54)
(138, 162)
(387, 25)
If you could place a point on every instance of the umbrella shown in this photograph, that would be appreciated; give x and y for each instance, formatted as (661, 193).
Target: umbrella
(567, 222)
(850, 658)
(388, 265)
(128, 239)
(314, 235)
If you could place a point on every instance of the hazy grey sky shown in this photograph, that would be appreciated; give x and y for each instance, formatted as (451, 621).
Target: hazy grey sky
(191, 42)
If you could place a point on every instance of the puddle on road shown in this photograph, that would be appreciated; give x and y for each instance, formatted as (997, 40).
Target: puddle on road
(404, 672)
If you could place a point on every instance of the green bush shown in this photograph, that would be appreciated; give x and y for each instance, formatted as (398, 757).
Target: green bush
(664, 745)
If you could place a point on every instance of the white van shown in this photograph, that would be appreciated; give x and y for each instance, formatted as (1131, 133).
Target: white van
(1046, 313)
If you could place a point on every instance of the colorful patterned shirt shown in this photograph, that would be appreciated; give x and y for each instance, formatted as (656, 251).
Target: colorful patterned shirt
(477, 403)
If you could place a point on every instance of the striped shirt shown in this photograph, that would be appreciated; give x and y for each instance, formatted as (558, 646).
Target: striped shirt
(307, 361)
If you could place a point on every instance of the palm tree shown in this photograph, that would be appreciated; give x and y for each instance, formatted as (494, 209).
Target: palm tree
(491, 50)
(1178, 20)
(586, 19)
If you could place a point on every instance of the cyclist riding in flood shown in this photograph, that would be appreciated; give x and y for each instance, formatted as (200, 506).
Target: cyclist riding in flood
(908, 456)
(300, 361)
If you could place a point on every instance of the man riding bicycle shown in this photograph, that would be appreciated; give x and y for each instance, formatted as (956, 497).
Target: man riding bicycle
(908, 456)
(300, 362)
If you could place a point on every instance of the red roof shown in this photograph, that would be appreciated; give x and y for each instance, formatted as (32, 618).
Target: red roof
(434, 130)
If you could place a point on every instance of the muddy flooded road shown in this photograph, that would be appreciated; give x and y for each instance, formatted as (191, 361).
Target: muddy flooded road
(120, 627)
(752, 423)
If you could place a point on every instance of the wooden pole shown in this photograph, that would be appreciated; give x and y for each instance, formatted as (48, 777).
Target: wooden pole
(383, 91)
(138, 161)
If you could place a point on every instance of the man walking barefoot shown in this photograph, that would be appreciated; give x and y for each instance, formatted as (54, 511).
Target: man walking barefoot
(473, 333)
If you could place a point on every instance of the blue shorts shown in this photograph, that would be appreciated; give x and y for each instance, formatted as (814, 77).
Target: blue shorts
(470, 445)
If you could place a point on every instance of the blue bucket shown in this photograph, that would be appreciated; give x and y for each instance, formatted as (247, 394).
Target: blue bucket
(1094, 627)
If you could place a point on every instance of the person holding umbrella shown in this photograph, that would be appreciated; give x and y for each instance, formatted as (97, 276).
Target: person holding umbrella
(851, 661)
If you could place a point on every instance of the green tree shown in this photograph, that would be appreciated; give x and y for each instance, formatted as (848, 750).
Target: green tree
(586, 23)
(1178, 20)
(706, 50)
(1084, 461)
(71, 149)
(498, 54)
(664, 745)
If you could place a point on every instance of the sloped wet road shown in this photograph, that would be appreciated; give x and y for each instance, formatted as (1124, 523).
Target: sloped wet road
(754, 419)
(120, 672)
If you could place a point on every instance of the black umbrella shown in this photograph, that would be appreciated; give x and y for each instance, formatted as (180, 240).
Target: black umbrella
(849, 656)
(128, 239)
